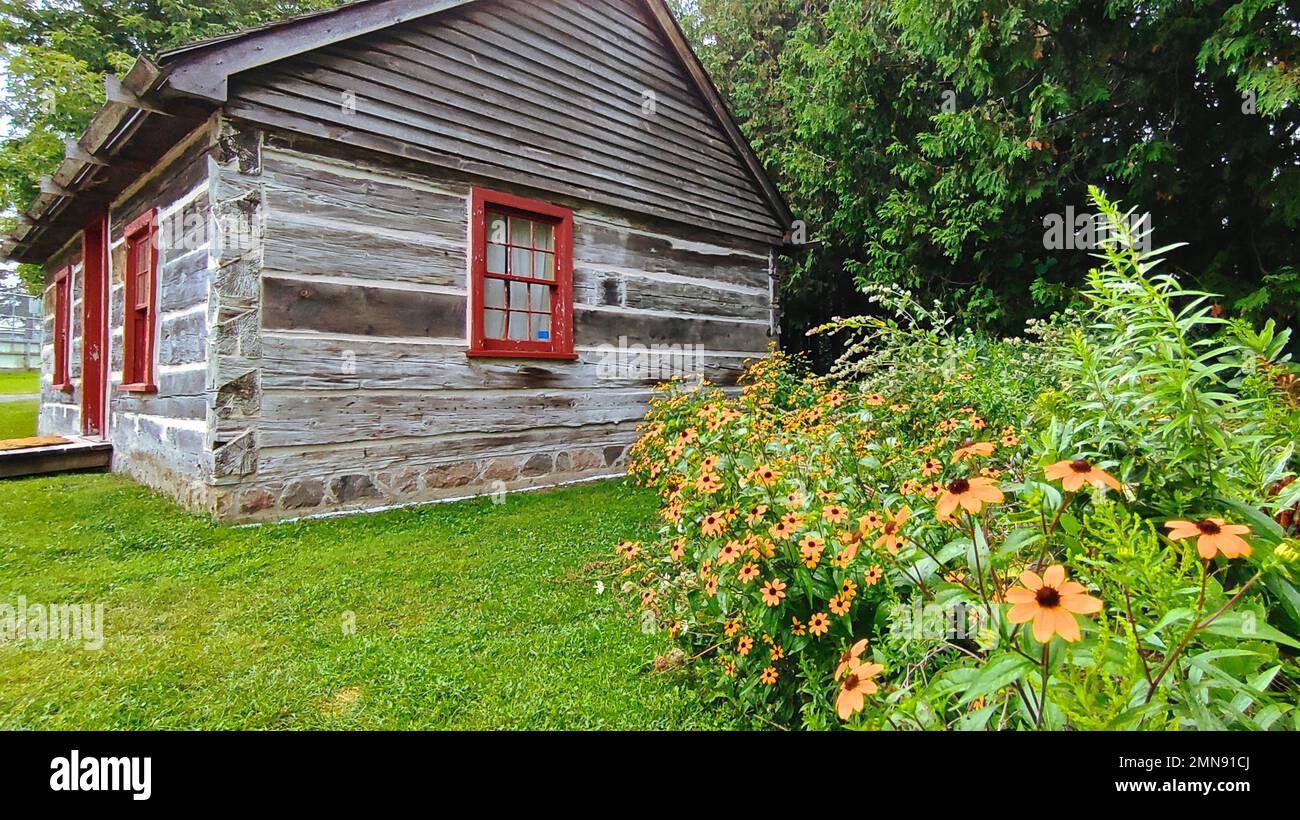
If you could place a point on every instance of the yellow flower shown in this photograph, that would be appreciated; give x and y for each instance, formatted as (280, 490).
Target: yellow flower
(1048, 602)
(857, 685)
(970, 494)
(1074, 474)
(974, 448)
(1213, 535)
(713, 524)
(818, 624)
(834, 513)
(850, 658)
(729, 553)
(773, 591)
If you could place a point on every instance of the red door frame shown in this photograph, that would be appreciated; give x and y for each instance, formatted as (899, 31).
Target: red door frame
(94, 326)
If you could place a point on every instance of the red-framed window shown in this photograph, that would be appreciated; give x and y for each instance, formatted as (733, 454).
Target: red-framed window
(141, 301)
(62, 320)
(521, 271)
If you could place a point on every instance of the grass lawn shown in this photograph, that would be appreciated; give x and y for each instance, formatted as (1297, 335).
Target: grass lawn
(18, 419)
(26, 381)
(467, 616)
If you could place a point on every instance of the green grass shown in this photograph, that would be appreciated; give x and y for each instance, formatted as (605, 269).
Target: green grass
(468, 616)
(18, 419)
(27, 381)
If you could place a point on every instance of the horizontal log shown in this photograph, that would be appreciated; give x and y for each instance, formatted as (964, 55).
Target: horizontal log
(298, 420)
(364, 311)
(604, 244)
(309, 188)
(595, 327)
(291, 362)
(342, 250)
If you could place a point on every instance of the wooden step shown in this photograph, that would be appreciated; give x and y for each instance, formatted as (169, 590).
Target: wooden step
(72, 454)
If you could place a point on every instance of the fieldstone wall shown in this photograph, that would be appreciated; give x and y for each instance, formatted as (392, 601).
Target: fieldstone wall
(362, 489)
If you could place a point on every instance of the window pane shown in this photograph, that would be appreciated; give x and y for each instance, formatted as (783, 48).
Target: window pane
(142, 289)
(543, 235)
(518, 296)
(494, 293)
(496, 258)
(496, 229)
(521, 232)
(494, 324)
(518, 326)
(543, 265)
(521, 262)
(542, 327)
(539, 298)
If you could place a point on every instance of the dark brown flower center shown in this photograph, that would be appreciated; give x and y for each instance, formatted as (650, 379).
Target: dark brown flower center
(1081, 466)
(851, 682)
(890, 528)
(1048, 597)
(959, 486)
(1208, 527)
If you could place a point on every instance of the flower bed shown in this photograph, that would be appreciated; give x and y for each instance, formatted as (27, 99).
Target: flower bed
(988, 534)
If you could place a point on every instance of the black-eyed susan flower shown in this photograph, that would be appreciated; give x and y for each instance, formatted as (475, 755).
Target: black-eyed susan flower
(1074, 474)
(743, 645)
(714, 523)
(729, 553)
(781, 530)
(747, 573)
(1050, 602)
(891, 533)
(971, 494)
(857, 684)
(850, 657)
(971, 449)
(769, 676)
(834, 513)
(839, 605)
(773, 591)
(1213, 535)
(872, 576)
(708, 484)
(819, 623)
(677, 549)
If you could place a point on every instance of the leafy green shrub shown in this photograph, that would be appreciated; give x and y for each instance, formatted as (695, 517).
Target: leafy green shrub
(1077, 531)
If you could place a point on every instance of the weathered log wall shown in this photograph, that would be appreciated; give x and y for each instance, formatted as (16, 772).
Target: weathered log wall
(159, 438)
(362, 391)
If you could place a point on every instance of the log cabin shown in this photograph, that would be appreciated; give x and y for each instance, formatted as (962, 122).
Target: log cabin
(399, 251)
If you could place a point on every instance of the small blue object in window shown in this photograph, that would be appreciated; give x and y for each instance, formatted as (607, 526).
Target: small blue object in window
(543, 335)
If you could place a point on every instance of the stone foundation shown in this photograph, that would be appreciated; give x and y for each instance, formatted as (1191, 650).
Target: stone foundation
(361, 490)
